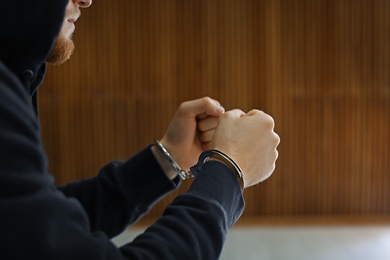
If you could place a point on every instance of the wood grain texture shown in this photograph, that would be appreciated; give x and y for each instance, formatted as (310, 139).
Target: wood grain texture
(319, 67)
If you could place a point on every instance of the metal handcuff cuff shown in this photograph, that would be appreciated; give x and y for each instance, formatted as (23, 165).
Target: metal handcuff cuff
(203, 158)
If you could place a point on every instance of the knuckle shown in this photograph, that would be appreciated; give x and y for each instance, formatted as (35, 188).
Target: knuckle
(227, 114)
(276, 139)
(235, 112)
(256, 111)
(183, 105)
(207, 100)
(276, 154)
(268, 121)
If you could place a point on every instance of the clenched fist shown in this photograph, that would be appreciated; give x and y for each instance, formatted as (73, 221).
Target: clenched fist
(249, 139)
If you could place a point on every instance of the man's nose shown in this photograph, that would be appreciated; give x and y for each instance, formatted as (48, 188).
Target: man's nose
(83, 3)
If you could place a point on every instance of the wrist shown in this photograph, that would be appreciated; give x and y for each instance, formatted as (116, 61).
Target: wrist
(164, 163)
(169, 159)
(223, 158)
(224, 161)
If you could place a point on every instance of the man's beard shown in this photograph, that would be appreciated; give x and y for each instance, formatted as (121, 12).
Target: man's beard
(62, 50)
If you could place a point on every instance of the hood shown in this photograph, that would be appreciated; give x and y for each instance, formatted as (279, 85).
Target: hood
(27, 33)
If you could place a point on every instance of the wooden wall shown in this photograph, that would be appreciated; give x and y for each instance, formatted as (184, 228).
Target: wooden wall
(319, 67)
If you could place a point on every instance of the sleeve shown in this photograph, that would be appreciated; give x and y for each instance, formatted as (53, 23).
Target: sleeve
(37, 221)
(195, 224)
(122, 192)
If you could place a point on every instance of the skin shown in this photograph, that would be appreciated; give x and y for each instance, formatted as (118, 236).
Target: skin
(64, 46)
(201, 124)
(248, 138)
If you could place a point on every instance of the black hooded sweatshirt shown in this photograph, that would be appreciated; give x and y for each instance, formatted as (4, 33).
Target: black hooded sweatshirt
(77, 221)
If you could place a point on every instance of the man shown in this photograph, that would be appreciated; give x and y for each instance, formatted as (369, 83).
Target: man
(40, 221)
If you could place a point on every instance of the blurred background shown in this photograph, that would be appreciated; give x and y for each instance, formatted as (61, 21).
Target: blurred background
(321, 68)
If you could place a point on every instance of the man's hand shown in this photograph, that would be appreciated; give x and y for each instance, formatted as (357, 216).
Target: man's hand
(249, 139)
(191, 130)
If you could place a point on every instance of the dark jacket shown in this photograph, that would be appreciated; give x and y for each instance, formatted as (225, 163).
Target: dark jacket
(41, 221)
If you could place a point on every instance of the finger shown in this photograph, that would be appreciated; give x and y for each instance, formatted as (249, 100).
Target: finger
(203, 106)
(234, 113)
(254, 112)
(267, 120)
(206, 137)
(208, 123)
(206, 146)
(202, 116)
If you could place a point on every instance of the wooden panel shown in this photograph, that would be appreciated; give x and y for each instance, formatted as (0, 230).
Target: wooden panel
(319, 67)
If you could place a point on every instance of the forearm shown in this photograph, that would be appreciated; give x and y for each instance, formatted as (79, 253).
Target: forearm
(122, 192)
(195, 225)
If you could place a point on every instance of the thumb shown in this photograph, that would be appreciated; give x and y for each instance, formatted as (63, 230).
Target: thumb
(204, 106)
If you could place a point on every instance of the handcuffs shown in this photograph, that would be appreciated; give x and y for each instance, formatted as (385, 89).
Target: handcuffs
(203, 158)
